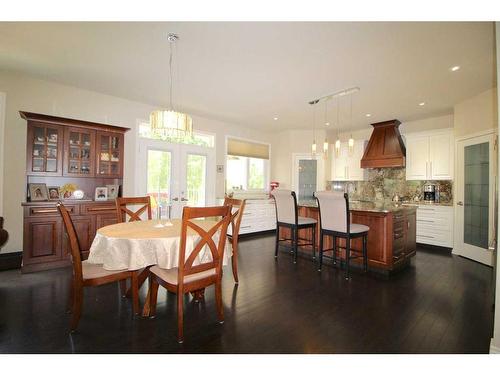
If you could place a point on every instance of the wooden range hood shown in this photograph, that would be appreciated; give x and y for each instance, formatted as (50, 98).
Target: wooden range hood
(385, 148)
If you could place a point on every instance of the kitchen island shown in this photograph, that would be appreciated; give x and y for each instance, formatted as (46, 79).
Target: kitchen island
(391, 239)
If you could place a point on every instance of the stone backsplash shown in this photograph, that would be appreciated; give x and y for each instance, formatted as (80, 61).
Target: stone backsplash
(383, 184)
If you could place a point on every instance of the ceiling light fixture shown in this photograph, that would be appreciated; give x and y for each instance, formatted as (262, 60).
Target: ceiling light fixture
(421, 104)
(275, 118)
(170, 123)
(313, 146)
(325, 143)
(351, 140)
(455, 68)
(368, 115)
(337, 142)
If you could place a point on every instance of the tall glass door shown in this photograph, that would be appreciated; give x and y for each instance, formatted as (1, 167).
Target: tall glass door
(475, 199)
(159, 170)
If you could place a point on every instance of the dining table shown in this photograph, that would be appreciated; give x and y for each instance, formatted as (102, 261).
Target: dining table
(137, 245)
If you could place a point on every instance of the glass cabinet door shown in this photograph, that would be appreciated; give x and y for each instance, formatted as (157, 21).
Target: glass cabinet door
(79, 150)
(109, 154)
(44, 149)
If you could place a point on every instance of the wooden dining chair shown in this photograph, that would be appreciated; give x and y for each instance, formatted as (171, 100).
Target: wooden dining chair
(141, 205)
(188, 277)
(236, 216)
(88, 274)
(123, 210)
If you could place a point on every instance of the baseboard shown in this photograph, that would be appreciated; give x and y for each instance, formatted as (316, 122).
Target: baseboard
(494, 349)
(11, 261)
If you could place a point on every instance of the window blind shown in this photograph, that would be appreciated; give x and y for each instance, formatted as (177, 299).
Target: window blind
(238, 147)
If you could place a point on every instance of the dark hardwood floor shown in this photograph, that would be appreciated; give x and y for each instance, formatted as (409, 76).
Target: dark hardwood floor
(441, 304)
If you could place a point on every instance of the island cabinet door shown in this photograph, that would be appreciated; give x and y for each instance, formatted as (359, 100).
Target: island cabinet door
(411, 234)
(85, 230)
(379, 255)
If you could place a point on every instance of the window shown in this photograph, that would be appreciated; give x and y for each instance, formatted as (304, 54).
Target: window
(247, 165)
(198, 138)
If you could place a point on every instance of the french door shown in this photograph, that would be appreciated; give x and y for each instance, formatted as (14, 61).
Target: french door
(475, 200)
(175, 175)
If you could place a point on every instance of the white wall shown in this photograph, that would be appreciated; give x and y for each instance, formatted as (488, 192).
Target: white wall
(34, 95)
(2, 139)
(477, 113)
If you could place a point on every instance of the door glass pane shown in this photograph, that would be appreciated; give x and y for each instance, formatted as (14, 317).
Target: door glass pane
(196, 179)
(158, 187)
(307, 179)
(476, 195)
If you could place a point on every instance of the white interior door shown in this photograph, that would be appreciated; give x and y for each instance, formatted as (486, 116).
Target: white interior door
(175, 175)
(475, 198)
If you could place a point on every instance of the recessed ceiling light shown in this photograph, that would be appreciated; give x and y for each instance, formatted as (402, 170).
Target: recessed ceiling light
(275, 118)
(455, 68)
(368, 115)
(421, 104)
(327, 123)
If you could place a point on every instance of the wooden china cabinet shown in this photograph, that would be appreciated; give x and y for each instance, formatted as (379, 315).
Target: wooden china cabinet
(61, 151)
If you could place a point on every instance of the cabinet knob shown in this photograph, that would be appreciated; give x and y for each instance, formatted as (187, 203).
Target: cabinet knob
(460, 203)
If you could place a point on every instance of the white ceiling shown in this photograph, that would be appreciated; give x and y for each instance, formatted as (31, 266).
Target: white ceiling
(248, 73)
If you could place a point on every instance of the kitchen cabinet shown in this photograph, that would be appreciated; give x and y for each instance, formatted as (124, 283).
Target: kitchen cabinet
(347, 167)
(259, 216)
(435, 225)
(430, 156)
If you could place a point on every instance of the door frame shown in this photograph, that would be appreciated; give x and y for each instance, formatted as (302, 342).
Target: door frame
(488, 256)
(320, 176)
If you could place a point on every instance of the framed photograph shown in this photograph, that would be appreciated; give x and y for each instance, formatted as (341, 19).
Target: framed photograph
(38, 192)
(54, 193)
(112, 191)
(101, 193)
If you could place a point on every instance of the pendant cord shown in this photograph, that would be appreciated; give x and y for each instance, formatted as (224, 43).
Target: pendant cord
(338, 118)
(170, 70)
(350, 123)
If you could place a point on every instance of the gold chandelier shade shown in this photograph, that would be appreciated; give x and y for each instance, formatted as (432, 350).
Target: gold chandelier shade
(171, 124)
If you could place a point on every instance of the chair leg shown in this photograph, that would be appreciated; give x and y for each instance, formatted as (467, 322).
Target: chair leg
(347, 256)
(218, 299)
(70, 297)
(295, 244)
(180, 317)
(150, 306)
(77, 307)
(314, 242)
(320, 250)
(135, 292)
(234, 261)
(334, 250)
(365, 253)
(123, 288)
(277, 241)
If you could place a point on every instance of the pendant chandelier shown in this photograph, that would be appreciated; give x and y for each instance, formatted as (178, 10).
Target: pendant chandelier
(170, 123)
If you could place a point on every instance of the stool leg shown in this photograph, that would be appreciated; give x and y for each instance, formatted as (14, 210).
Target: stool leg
(320, 250)
(295, 244)
(314, 242)
(334, 250)
(277, 241)
(347, 256)
(365, 252)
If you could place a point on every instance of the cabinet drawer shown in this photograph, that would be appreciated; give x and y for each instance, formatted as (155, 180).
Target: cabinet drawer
(50, 210)
(108, 208)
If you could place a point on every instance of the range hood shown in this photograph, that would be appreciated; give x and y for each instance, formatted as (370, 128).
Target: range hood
(385, 148)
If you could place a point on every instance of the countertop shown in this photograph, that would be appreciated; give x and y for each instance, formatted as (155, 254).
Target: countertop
(381, 207)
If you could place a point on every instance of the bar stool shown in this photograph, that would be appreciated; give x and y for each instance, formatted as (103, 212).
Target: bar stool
(287, 217)
(335, 221)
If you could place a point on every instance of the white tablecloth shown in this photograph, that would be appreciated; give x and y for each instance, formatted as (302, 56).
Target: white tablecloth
(139, 244)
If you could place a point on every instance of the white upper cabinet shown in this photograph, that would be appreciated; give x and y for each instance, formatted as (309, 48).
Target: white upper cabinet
(430, 156)
(346, 167)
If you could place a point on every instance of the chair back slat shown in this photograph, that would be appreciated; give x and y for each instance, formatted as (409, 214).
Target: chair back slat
(123, 211)
(206, 239)
(333, 210)
(238, 207)
(74, 244)
(286, 205)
